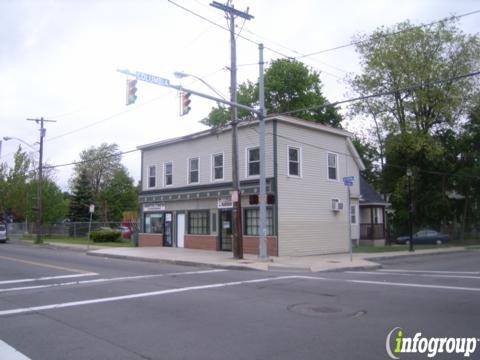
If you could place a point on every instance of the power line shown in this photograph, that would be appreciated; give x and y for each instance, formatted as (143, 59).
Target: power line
(384, 93)
(226, 28)
(353, 43)
(90, 160)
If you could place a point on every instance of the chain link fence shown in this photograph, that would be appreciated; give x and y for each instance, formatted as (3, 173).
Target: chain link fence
(17, 231)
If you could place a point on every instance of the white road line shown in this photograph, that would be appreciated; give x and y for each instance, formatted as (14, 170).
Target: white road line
(414, 274)
(426, 286)
(46, 278)
(81, 282)
(139, 295)
(8, 352)
(375, 273)
(220, 285)
(431, 271)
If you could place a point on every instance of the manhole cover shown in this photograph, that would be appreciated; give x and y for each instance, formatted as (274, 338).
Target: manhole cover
(314, 310)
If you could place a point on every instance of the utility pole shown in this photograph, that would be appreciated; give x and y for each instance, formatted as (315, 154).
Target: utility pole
(231, 13)
(40, 178)
(262, 250)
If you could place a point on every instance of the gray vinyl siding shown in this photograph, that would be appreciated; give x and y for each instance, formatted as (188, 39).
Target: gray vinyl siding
(203, 148)
(306, 223)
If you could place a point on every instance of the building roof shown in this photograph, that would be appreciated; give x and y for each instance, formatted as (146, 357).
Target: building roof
(368, 195)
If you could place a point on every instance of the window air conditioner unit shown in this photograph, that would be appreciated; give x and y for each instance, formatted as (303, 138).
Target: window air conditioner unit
(336, 205)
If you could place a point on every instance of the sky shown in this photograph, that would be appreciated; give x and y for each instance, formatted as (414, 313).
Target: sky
(59, 60)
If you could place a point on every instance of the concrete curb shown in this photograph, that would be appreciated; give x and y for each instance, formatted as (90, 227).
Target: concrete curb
(174, 262)
(418, 254)
(353, 268)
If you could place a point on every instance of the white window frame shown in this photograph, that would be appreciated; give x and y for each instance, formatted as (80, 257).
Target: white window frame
(336, 167)
(165, 173)
(247, 162)
(355, 214)
(212, 174)
(189, 164)
(154, 176)
(299, 149)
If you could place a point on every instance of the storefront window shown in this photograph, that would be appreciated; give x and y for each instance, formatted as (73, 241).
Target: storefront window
(198, 222)
(252, 221)
(154, 223)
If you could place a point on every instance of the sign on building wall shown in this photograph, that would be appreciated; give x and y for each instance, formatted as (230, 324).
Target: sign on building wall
(153, 207)
(225, 203)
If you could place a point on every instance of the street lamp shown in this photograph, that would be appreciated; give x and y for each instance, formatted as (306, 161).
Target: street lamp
(410, 209)
(181, 75)
(7, 138)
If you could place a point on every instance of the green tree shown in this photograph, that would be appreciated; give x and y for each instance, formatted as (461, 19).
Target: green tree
(54, 204)
(82, 198)
(99, 164)
(370, 157)
(416, 58)
(289, 85)
(419, 115)
(16, 187)
(120, 195)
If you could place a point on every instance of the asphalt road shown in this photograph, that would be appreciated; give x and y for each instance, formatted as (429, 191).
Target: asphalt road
(60, 304)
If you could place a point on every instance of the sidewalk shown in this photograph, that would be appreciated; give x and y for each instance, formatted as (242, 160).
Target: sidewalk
(224, 260)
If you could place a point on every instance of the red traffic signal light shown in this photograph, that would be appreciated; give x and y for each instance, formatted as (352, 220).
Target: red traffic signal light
(185, 103)
(131, 91)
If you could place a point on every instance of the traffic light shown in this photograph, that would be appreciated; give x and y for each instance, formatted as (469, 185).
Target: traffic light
(131, 90)
(184, 103)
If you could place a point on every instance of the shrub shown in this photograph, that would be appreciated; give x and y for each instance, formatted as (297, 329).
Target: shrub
(105, 235)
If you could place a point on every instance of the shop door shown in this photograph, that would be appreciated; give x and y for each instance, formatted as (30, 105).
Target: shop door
(225, 232)
(167, 230)
(180, 230)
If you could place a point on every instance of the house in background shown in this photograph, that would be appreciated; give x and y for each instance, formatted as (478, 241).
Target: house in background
(185, 200)
(372, 215)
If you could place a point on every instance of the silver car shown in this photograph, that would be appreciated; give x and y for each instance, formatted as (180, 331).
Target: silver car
(3, 233)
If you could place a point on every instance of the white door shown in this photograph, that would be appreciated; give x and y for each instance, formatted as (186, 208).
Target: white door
(180, 230)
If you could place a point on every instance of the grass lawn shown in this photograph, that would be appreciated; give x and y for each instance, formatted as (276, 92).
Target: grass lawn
(80, 241)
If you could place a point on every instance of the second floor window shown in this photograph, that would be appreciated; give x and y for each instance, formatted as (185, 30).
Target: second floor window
(293, 161)
(168, 174)
(253, 161)
(193, 171)
(332, 166)
(217, 167)
(152, 178)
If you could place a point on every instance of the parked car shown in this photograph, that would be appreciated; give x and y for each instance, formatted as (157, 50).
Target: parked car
(126, 232)
(425, 236)
(3, 233)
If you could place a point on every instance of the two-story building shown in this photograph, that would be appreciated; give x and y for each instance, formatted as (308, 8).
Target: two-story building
(187, 181)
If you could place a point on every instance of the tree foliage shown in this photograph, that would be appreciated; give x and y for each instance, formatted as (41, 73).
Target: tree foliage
(120, 195)
(289, 85)
(82, 197)
(99, 164)
(418, 68)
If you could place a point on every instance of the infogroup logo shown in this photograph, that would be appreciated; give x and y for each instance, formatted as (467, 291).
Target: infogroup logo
(398, 343)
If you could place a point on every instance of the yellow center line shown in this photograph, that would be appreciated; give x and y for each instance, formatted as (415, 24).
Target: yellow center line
(50, 266)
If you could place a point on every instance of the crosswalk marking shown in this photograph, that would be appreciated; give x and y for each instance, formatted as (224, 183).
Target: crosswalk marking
(16, 281)
(101, 280)
(8, 352)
